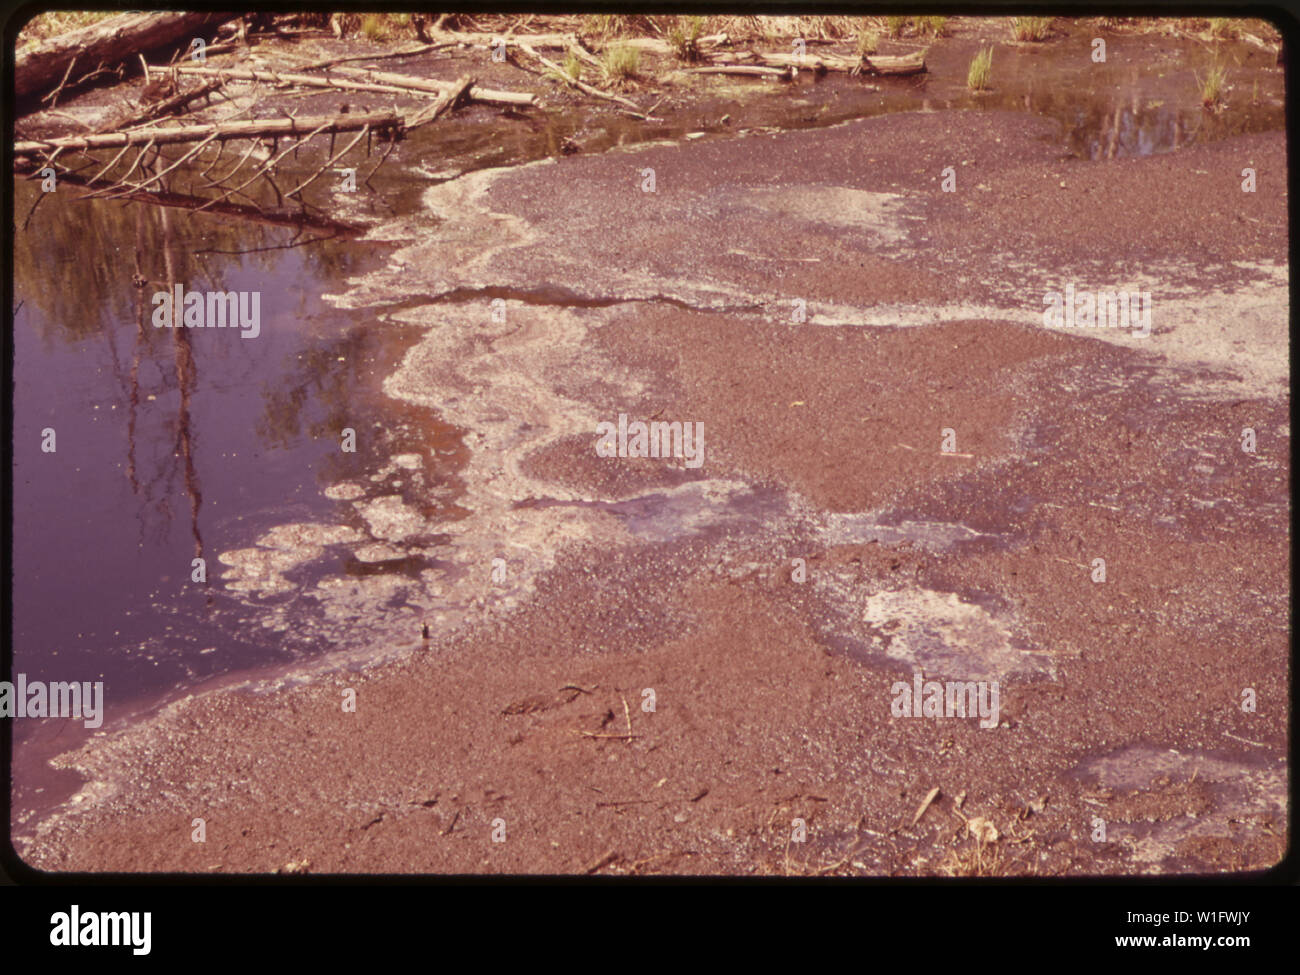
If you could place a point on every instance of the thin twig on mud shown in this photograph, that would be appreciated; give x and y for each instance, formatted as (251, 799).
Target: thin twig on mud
(626, 802)
(609, 857)
(454, 819)
(925, 804)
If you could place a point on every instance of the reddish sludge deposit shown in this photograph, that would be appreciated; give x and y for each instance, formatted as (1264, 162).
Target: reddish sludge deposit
(650, 689)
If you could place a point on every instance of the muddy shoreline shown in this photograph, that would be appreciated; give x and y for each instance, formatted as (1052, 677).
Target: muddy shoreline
(526, 714)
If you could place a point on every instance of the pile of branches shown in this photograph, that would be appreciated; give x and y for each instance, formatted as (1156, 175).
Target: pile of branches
(714, 52)
(126, 158)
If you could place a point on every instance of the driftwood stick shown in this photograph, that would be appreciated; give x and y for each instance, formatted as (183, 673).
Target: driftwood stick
(183, 159)
(286, 78)
(575, 45)
(582, 85)
(276, 218)
(111, 164)
(381, 81)
(157, 177)
(274, 128)
(221, 151)
(53, 97)
(410, 52)
(435, 86)
(382, 159)
(905, 64)
(328, 163)
(269, 165)
(447, 100)
(164, 107)
(561, 41)
(138, 159)
(753, 70)
(252, 146)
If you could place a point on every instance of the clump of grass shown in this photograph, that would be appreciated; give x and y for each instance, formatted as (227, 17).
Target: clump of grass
(621, 25)
(376, 27)
(894, 26)
(601, 25)
(573, 67)
(979, 860)
(1030, 28)
(1213, 86)
(622, 62)
(977, 78)
(868, 41)
(684, 37)
(1222, 27)
(934, 26)
(765, 27)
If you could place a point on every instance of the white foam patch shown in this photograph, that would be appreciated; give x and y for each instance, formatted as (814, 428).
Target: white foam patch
(389, 518)
(944, 636)
(1243, 332)
(261, 569)
(865, 527)
(877, 214)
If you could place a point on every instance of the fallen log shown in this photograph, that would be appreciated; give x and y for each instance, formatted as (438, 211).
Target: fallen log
(580, 52)
(562, 41)
(109, 41)
(425, 86)
(446, 100)
(400, 53)
(435, 86)
(781, 74)
(904, 64)
(274, 128)
(287, 78)
(165, 107)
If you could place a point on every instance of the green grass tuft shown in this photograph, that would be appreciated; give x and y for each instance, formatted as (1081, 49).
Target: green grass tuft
(977, 78)
(1222, 27)
(376, 27)
(932, 26)
(622, 62)
(684, 37)
(1030, 28)
(573, 67)
(1213, 86)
